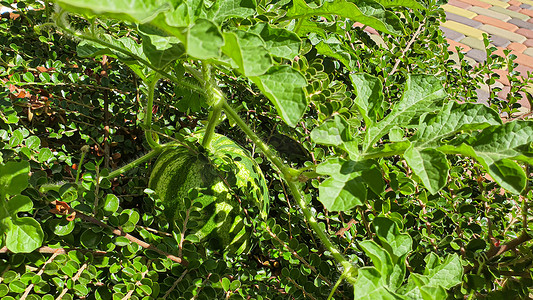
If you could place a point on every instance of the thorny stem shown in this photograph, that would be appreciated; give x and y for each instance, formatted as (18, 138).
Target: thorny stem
(336, 286)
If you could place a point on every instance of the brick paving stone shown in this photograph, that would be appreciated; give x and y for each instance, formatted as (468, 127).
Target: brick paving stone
(499, 41)
(477, 3)
(525, 32)
(528, 51)
(461, 4)
(459, 19)
(468, 31)
(455, 57)
(514, 8)
(495, 22)
(526, 2)
(503, 93)
(526, 6)
(452, 34)
(490, 13)
(514, 2)
(482, 96)
(477, 55)
(496, 3)
(512, 36)
(523, 70)
(473, 43)
(521, 23)
(528, 43)
(527, 12)
(503, 76)
(454, 44)
(512, 14)
(459, 11)
(517, 47)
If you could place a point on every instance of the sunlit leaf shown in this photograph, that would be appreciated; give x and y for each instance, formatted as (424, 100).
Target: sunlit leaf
(284, 88)
(422, 94)
(375, 17)
(248, 52)
(369, 99)
(430, 165)
(13, 177)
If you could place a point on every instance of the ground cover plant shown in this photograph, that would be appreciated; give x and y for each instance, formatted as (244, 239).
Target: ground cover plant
(255, 149)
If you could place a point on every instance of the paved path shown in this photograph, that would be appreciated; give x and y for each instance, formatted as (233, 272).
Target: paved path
(509, 24)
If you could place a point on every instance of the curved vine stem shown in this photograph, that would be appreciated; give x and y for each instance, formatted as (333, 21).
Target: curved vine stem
(148, 114)
(290, 175)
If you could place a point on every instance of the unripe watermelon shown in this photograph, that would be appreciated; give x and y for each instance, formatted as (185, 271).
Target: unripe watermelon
(220, 220)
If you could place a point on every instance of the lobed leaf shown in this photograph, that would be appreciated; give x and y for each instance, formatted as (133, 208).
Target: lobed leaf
(348, 183)
(139, 11)
(430, 165)
(422, 94)
(283, 86)
(495, 147)
(374, 14)
(453, 118)
(248, 52)
(369, 99)
(279, 42)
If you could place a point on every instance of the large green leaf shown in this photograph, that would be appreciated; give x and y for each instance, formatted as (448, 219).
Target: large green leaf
(348, 183)
(333, 132)
(430, 165)
(374, 15)
(159, 47)
(440, 274)
(422, 94)
(369, 99)
(337, 51)
(397, 243)
(204, 40)
(138, 11)
(369, 286)
(248, 52)
(283, 86)
(453, 118)
(380, 258)
(495, 147)
(13, 178)
(446, 273)
(25, 235)
(223, 9)
(405, 3)
(279, 42)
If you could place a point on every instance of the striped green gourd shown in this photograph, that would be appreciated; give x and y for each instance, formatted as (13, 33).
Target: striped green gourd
(220, 220)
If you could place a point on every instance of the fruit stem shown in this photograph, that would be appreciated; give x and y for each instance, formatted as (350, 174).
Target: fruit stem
(288, 175)
(216, 99)
(148, 114)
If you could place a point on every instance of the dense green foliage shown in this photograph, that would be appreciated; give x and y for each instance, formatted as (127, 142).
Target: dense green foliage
(384, 178)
